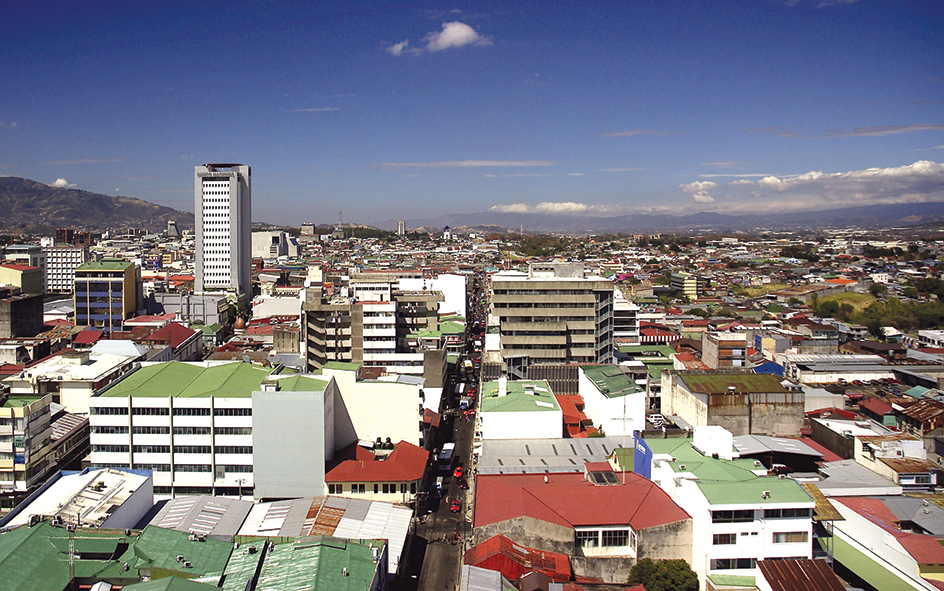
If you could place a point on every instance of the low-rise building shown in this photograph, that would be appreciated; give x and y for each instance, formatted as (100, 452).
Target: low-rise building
(518, 409)
(394, 478)
(612, 400)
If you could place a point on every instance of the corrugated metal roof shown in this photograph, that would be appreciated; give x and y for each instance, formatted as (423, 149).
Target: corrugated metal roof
(799, 575)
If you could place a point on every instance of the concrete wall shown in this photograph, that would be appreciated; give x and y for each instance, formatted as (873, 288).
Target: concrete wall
(380, 409)
(288, 443)
(612, 569)
(666, 542)
(530, 532)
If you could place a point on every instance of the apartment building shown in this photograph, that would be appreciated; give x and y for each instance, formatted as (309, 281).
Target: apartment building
(28, 254)
(722, 350)
(739, 514)
(61, 263)
(555, 313)
(228, 429)
(105, 293)
(689, 285)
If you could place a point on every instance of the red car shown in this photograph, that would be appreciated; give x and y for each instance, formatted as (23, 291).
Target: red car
(457, 472)
(462, 483)
(455, 506)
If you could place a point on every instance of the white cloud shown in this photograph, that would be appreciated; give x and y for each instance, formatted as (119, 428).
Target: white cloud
(61, 183)
(454, 34)
(882, 130)
(467, 164)
(399, 48)
(742, 182)
(632, 132)
(574, 174)
(699, 191)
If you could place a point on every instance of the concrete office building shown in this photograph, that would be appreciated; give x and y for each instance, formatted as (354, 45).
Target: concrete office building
(27, 254)
(105, 293)
(724, 350)
(555, 313)
(691, 286)
(223, 218)
(228, 429)
(270, 245)
(61, 263)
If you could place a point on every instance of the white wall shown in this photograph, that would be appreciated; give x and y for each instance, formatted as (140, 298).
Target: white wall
(522, 425)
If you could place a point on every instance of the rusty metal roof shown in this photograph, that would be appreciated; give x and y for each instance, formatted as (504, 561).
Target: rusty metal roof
(923, 410)
(799, 575)
(824, 510)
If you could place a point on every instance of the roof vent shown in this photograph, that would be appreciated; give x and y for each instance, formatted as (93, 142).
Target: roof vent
(343, 571)
(766, 494)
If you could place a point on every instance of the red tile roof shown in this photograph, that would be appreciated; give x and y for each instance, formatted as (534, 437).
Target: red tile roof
(405, 463)
(17, 266)
(513, 561)
(876, 405)
(570, 500)
(175, 334)
(88, 337)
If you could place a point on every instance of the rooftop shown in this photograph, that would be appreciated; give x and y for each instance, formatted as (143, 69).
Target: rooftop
(519, 396)
(185, 380)
(713, 382)
(611, 380)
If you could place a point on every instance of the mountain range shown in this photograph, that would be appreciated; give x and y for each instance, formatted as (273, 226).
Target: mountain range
(871, 216)
(30, 206)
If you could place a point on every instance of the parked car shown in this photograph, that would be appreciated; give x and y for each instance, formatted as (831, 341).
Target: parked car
(455, 506)
(463, 483)
(457, 472)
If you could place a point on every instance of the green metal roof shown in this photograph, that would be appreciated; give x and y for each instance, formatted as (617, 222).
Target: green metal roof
(751, 491)
(733, 581)
(36, 557)
(105, 265)
(170, 584)
(451, 327)
(858, 562)
(183, 380)
(516, 400)
(611, 380)
(342, 365)
(318, 563)
(302, 384)
(19, 401)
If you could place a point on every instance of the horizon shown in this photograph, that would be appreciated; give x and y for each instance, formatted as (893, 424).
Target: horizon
(406, 112)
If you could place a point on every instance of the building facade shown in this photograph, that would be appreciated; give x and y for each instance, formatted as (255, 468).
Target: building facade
(105, 293)
(61, 263)
(555, 313)
(223, 218)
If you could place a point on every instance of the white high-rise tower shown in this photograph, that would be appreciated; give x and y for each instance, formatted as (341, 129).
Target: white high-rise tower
(222, 220)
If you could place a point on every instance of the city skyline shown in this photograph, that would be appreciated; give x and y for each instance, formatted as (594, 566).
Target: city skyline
(406, 111)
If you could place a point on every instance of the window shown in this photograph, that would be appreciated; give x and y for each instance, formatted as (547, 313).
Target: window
(721, 539)
(785, 513)
(358, 488)
(191, 449)
(232, 412)
(191, 468)
(190, 430)
(108, 410)
(232, 430)
(150, 430)
(615, 537)
(148, 411)
(110, 448)
(732, 563)
(153, 467)
(234, 467)
(737, 516)
(334, 489)
(587, 539)
(377, 488)
(151, 449)
(191, 412)
(234, 449)
(109, 430)
(791, 537)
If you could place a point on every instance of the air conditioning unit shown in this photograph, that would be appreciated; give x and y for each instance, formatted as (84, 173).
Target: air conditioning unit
(765, 494)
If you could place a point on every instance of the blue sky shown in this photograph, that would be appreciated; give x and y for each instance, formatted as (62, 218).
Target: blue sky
(415, 109)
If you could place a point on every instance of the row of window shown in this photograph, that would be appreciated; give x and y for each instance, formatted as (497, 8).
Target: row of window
(360, 488)
(791, 537)
(123, 430)
(229, 468)
(607, 538)
(164, 411)
(747, 515)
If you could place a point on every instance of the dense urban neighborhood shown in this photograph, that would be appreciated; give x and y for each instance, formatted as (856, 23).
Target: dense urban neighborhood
(339, 407)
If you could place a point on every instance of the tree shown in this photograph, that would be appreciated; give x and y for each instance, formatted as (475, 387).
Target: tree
(878, 289)
(664, 575)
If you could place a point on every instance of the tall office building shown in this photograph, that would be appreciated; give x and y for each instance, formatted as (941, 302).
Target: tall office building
(553, 314)
(222, 219)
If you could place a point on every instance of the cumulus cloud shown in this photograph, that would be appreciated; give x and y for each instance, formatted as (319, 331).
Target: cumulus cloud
(453, 34)
(632, 132)
(742, 182)
(61, 183)
(699, 191)
(467, 164)
(882, 130)
(399, 48)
